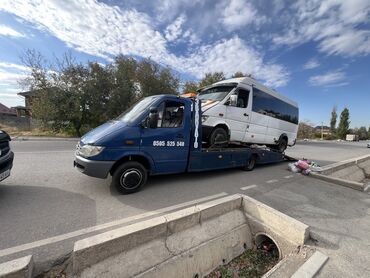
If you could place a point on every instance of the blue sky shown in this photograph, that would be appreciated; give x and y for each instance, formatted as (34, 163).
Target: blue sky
(316, 52)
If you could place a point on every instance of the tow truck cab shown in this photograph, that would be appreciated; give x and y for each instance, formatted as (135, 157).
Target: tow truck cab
(160, 134)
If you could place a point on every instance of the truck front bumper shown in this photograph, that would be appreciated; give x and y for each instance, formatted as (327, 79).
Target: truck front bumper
(93, 168)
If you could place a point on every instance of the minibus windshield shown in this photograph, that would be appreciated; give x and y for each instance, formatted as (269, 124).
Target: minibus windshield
(216, 93)
(135, 110)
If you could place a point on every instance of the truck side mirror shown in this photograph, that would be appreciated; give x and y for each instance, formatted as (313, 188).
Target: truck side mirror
(153, 117)
(233, 100)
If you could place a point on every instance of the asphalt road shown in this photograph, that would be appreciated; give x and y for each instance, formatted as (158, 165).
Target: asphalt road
(46, 204)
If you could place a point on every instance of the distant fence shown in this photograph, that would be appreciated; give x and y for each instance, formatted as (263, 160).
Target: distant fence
(22, 123)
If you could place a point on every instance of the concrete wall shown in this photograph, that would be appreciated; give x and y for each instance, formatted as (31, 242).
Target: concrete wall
(190, 242)
(351, 173)
(23, 123)
(187, 243)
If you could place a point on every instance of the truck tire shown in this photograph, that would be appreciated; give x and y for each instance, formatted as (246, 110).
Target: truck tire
(220, 135)
(129, 177)
(251, 163)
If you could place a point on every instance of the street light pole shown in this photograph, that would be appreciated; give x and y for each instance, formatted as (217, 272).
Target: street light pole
(322, 130)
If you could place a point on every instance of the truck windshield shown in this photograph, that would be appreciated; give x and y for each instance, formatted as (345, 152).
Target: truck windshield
(136, 110)
(216, 93)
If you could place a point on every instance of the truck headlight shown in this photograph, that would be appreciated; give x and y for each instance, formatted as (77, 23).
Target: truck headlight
(204, 118)
(89, 150)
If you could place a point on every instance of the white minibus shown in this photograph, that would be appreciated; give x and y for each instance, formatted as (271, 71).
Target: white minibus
(243, 110)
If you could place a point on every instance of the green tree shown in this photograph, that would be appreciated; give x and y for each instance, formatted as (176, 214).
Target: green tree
(238, 74)
(344, 122)
(333, 120)
(190, 86)
(153, 79)
(210, 78)
(362, 133)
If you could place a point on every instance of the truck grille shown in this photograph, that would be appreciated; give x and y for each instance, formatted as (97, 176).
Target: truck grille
(4, 147)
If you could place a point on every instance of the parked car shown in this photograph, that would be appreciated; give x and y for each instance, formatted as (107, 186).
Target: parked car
(243, 110)
(6, 155)
(368, 144)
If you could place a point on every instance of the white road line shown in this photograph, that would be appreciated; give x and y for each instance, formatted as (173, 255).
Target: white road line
(288, 177)
(62, 237)
(248, 187)
(272, 181)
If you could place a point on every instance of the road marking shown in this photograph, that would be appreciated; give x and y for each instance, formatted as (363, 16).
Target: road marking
(272, 181)
(248, 187)
(62, 237)
(288, 177)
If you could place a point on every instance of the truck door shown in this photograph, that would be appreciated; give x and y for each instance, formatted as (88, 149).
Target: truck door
(237, 117)
(168, 143)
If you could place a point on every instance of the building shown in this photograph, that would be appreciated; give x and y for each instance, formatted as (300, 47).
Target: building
(5, 111)
(325, 130)
(26, 111)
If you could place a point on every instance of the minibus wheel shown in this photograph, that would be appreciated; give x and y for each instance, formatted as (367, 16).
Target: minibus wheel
(129, 177)
(282, 145)
(218, 137)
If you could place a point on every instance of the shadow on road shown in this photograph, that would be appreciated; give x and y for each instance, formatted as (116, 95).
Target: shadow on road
(57, 212)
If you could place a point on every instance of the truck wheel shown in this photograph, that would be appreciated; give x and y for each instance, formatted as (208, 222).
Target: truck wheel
(250, 164)
(218, 137)
(129, 177)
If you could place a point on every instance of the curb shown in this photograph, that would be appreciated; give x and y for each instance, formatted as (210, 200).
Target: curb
(351, 184)
(312, 266)
(44, 139)
(18, 268)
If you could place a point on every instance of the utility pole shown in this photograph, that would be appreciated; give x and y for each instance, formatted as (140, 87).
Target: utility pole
(322, 130)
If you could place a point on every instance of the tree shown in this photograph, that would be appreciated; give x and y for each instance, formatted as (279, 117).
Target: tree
(344, 122)
(333, 120)
(238, 74)
(190, 86)
(362, 133)
(305, 130)
(210, 78)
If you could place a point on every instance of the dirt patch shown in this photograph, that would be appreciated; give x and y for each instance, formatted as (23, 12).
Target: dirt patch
(252, 263)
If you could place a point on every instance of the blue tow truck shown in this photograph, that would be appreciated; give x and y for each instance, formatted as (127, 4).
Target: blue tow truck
(159, 135)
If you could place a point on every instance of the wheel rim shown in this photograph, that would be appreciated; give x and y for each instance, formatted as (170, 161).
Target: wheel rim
(131, 178)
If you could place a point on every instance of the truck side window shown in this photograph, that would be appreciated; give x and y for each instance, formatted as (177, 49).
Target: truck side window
(171, 114)
(243, 96)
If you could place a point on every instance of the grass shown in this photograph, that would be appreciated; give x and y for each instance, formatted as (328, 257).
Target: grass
(14, 132)
(252, 263)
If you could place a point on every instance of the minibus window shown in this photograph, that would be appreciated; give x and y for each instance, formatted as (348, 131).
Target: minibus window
(215, 93)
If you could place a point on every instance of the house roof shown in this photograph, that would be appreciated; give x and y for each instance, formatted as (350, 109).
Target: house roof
(26, 94)
(5, 110)
(323, 127)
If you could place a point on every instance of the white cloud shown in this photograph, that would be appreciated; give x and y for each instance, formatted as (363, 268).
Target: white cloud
(12, 66)
(329, 79)
(311, 64)
(238, 13)
(173, 31)
(335, 24)
(98, 29)
(233, 55)
(9, 32)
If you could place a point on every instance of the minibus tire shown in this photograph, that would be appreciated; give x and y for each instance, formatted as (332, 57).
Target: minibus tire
(282, 145)
(217, 132)
(251, 163)
(129, 177)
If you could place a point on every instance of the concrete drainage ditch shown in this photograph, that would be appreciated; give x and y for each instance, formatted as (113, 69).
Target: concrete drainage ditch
(353, 173)
(187, 243)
